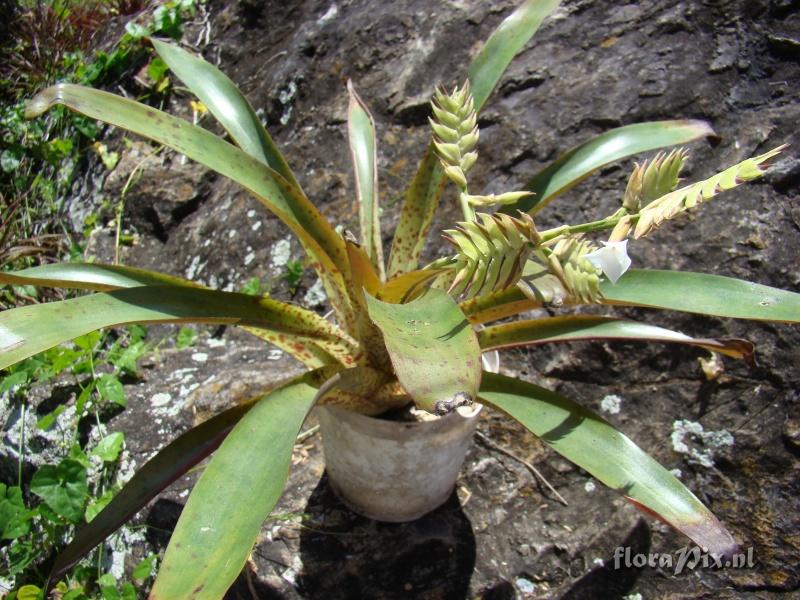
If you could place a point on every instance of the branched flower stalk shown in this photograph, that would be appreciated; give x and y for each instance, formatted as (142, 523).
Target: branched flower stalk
(492, 250)
(670, 205)
(655, 184)
(455, 136)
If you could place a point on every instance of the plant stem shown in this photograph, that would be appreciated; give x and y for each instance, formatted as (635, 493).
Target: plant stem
(564, 230)
(121, 204)
(21, 448)
(466, 207)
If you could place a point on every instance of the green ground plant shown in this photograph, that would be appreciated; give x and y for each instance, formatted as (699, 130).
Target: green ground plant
(52, 41)
(400, 331)
(36, 515)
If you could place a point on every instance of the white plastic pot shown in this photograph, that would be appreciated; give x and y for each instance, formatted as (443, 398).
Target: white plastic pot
(391, 470)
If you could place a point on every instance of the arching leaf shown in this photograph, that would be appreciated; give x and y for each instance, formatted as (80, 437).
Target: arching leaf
(591, 327)
(590, 442)
(226, 103)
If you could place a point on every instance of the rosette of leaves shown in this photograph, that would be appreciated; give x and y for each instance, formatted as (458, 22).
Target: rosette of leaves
(361, 361)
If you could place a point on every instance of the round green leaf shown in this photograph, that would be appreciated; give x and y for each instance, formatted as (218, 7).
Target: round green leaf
(63, 488)
(109, 447)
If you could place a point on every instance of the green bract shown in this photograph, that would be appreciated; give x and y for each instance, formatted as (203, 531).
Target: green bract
(426, 342)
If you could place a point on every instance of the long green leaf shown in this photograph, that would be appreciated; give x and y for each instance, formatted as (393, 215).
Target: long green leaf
(504, 44)
(227, 104)
(497, 305)
(98, 277)
(578, 163)
(156, 474)
(28, 330)
(703, 294)
(238, 489)
(363, 149)
(590, 327)
(433, 349)
(419, 206)
(90, 276)
(422, 196)
(671, 290)
(587, 440)
(276, 193)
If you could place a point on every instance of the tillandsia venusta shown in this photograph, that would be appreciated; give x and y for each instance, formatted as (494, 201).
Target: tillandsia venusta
(400, 331)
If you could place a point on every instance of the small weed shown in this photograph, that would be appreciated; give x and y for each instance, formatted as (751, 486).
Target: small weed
(253, 287)
(186, 337)
(37, 514)
(293, 274)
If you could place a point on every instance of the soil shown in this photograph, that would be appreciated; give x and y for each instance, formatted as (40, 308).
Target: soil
(595, 65)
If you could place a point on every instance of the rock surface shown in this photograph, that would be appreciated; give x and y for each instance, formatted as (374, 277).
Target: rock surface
(594, 66)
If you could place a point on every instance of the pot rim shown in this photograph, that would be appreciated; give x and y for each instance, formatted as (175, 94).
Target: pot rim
(382, 428)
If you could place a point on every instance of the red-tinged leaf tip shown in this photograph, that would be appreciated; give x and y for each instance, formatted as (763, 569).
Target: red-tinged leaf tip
(708, 532)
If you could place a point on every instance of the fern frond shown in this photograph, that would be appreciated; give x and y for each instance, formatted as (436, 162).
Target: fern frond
(654, 179)
(669, 205)
(455, 132)
(491, 252)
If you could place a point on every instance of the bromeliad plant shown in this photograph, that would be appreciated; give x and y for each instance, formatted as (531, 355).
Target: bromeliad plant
(399, 330)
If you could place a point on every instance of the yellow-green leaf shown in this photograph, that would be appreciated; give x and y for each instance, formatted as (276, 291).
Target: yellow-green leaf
(235, 494)
(221, 96)
(703, 294)
(422, 196)
(433, 349)
(578, 163)
(28, 330)
(166, 466)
